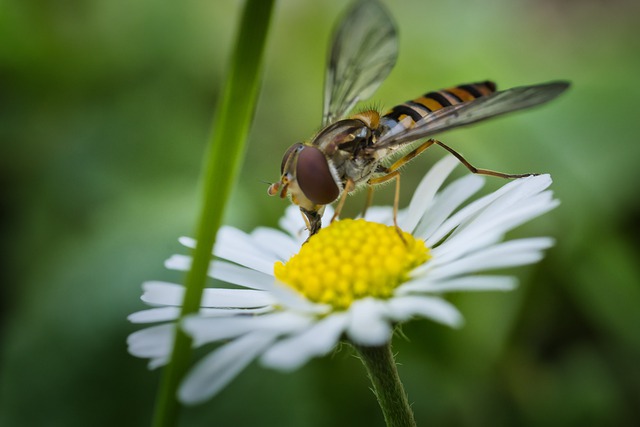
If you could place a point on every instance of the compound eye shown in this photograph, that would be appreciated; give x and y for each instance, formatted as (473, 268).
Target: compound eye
(288, 154)
(314, 177)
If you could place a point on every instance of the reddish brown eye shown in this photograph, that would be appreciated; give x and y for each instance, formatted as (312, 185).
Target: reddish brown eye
(314, 177)
(287, 154)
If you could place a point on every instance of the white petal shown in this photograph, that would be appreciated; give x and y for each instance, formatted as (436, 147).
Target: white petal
(293, 223)
(455, 248)
(162, 314)
(517, 191)
(235, 298)
(524, 212)
(380, 214)
(178, 262)
(187, 242)
(156, 362)
(237, 246)
(153, 342)
(496, 201)
(458, 284)
(292, 300)
(503, 255)
(241, 276)
(368, 324)
(434, 308)
(465, 240)
(204, 330)
(217, 369)
(488, 226)
(237, 240)
(500, 222)
(446, 202)
(162, 293)
(291, 353)
(280, 244)
(211, 329)
(166, 314)
(462, 215)
(327, 214)
(229, 312)
(423, 196)
(225, 271)
(240, 256)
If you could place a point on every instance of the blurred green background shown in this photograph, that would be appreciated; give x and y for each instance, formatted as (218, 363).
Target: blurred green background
(105, 110)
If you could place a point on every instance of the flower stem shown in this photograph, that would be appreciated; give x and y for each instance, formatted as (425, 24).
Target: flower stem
(226, 148)
(381, 368)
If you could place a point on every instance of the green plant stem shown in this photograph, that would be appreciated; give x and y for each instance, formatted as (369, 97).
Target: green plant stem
(381, 368)
(222, 163)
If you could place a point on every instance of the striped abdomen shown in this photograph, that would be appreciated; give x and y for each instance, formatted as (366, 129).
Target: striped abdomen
(412, 111)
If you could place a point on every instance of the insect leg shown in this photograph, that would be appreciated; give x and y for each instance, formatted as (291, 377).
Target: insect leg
(369, 200)
(348, 187)
(409, 156)
(476, 170)
(393, 172)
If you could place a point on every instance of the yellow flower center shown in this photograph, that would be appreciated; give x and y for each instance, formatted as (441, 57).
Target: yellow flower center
(352, 259)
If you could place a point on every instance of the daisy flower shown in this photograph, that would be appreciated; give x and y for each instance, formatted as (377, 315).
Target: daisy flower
(355, 280)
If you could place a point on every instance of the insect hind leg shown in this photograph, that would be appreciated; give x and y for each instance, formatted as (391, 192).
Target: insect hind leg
(476, 170)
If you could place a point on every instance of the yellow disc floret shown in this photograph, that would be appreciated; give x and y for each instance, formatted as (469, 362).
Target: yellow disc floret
(352, 259)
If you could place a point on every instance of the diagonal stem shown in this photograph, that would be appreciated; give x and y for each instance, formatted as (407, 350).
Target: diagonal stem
(226, 148)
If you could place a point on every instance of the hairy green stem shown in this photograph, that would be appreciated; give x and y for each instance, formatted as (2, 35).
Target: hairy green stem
(381, 368)
(222, 163)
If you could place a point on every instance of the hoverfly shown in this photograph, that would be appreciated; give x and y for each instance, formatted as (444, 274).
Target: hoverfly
(348, 153)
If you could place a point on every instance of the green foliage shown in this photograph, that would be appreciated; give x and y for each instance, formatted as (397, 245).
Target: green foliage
(224, 156)
(105, 110)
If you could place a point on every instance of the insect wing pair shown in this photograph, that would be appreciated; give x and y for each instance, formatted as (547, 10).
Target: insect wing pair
(349, 152)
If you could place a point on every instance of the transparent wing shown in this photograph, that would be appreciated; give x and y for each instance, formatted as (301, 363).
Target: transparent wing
(474, 111)
(363, 52)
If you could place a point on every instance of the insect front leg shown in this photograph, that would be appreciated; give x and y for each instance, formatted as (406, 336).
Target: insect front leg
(348, 187)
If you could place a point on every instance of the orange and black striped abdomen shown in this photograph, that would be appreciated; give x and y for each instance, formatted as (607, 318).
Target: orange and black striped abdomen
(420, 107)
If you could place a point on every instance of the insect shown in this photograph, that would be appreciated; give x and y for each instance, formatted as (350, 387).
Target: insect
(350, 151)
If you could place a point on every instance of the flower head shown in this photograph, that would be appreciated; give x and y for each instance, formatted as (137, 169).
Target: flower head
(355, 278)
(350, 260)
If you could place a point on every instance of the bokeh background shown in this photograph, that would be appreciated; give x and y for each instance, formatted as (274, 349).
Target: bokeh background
(105, 110)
